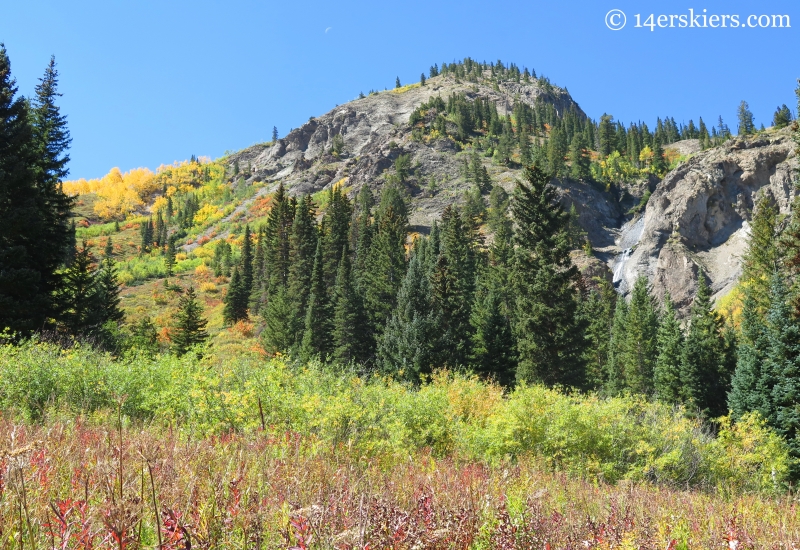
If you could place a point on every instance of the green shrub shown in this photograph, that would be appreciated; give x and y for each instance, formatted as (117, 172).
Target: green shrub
(452, 415)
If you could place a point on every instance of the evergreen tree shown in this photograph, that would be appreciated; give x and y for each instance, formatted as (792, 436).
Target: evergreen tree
(617, 347)
(407, 343)
(556, 151)
(259, 262)
(35, 233)
(597, 309)
(79, 295)
(453, 288)
(108, 300)
(493, 342)
(247, 262)
(336, 233)
(169, 256)
(422, 79)
(235, 300)
(746, 124)
(276, 245)
(782, 117)
(783, 363)
(763, 254)
(362, 230)
(397, 82)
(667, 375)
(303, 242)
(317, 327)
(499, 202)
(550, 335)
(51, 141)
(579, 158)
(274, 134)
(659, 163)
(190, 326)
(386, 262)
(606, 136)
(144, 336)
(640, 340)
(704, 371)
(349, 343)
(525, 154)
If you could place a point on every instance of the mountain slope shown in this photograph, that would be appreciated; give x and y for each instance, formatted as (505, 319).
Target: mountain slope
(375, 131)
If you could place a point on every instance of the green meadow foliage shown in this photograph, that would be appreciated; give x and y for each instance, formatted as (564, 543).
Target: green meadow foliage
(449, 415)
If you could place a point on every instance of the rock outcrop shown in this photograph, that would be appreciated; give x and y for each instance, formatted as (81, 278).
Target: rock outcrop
(697, 217)
(375, 131)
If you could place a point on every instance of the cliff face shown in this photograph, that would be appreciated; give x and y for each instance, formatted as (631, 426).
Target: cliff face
(375, 132)
(697, 217)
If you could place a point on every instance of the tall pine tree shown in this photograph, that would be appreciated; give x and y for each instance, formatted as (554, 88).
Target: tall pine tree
(550, 334)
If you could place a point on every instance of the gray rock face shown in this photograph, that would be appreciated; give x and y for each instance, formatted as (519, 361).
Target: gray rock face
(697, 217)
(375, 131)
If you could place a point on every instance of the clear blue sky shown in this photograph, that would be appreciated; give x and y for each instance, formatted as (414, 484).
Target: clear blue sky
(149, 82)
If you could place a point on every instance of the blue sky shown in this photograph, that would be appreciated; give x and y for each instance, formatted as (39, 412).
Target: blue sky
(147, 83)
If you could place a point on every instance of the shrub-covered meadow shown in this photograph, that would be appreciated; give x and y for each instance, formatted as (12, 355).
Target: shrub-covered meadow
(269, 453)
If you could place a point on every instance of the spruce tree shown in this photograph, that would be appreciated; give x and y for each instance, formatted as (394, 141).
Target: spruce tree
(79, 295)
(579, 158)
(783, 363)
(751, 384)
(236, 300)
(349, 342)
(278, 334)
(746, 124)
(189, 324)
(169, 256)
(318, 323)
(639, 353)
(605, 135)
(407, 343)
(336, 232)
(107, 288)
(493, 345)
(386, 262)
(659, 163)
(361, 231)
(51, 141)
(453, 288)
(303, 241)
(247, 262)
(557, 149)
(667, 375)
(550, 335)
(704, 370)
(763, 253)
(598, 311)
(35, 233)
(617, 350)
(782, 117)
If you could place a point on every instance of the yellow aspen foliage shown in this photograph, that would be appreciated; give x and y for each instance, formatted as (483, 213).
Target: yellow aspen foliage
(646, 156)
(159, 204)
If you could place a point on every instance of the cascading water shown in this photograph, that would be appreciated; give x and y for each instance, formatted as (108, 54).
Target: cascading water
(619, 265)
(629, 237)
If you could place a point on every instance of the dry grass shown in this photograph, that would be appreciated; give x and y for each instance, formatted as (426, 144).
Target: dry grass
(68, 485)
